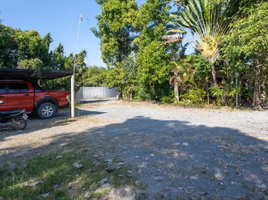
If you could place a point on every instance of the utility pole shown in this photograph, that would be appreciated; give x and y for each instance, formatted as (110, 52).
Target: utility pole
(72, 78)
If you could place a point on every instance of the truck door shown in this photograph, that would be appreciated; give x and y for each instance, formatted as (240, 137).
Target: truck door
(20, 96)
(3, 99)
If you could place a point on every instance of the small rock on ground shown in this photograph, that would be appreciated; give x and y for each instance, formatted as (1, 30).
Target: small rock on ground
(45, 194)
(55, 186)
(87, 194)
(158, 178)
(104, 180)
(59, 157)
(262, 186)
(138, 183)
(76, 165)
(121, 192)
(185, 144)
(193, 177)
(36, 183)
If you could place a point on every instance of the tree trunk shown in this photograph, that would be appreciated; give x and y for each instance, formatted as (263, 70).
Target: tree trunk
(257, 87)
(227, 78)
(264, 93)
(213, 71)
(120, 95)
(176, 90)
(207, 93)
(120, 46)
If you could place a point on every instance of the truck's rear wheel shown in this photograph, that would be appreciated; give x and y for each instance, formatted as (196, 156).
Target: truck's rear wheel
(46, 110)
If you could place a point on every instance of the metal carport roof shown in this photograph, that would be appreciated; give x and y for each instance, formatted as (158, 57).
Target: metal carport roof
(31, 74)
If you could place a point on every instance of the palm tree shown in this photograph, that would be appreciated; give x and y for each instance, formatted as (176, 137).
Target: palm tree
(182, 73)
(207, 20)
(176, 80)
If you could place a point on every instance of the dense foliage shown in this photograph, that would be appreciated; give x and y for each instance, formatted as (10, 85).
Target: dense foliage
(230, 38)
(146, 58)
(248, 46)
(28, 50)
(152, 60)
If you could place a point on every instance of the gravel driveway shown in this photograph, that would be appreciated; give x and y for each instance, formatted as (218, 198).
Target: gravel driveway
(177, 153)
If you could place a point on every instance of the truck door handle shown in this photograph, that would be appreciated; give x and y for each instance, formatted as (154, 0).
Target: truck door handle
(26, 95)
(2, 96)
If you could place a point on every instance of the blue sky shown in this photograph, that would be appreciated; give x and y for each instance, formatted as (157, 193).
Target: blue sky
(60, 18)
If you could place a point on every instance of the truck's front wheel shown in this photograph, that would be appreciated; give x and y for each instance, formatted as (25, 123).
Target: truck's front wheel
(46, 110)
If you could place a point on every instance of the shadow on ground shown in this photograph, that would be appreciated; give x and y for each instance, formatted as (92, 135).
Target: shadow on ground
(35, 123)
(94, 101)
(174, 159)
(66, 114)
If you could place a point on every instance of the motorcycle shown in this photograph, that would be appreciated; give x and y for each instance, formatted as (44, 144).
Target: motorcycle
(16, 119)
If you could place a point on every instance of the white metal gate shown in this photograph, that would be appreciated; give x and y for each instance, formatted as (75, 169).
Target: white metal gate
(96, 92)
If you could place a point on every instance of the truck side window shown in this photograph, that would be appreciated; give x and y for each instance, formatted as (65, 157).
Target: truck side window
(2, 88)
(18, 87)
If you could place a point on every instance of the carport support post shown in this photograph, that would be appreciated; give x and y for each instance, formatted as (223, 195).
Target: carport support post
(72, 98)
(72, 78)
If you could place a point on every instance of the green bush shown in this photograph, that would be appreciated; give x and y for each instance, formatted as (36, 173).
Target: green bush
(194, 96)
(167, 100)
(225, 95)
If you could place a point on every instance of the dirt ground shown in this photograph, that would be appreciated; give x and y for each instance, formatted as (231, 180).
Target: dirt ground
(178, 153)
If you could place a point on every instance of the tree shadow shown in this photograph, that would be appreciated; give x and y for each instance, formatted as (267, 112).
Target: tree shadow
(174, 159)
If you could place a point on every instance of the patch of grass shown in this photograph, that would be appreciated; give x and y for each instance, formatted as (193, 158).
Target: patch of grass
(58, 177)
(59, 194)
(187, 105)
(99, 194)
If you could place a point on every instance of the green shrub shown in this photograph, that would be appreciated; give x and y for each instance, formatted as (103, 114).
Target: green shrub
(167, 100)
(194, 96)
(225, 95)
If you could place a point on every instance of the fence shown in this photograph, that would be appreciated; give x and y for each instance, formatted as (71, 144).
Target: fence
(96, 92)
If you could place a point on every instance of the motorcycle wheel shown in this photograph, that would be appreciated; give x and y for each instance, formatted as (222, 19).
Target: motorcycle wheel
(20, 123)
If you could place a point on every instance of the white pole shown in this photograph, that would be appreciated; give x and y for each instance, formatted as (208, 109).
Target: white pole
(72, 98)
(72, 78)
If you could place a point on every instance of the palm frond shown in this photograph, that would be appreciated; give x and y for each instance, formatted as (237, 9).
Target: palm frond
(176, 31)
(208, 23)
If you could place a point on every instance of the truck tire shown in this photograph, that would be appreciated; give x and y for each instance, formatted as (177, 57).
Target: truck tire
(46, 110)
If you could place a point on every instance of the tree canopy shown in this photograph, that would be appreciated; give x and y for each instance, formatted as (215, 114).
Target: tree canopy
(28, 50)
(214, 25)
(116, 29)
(248, 45)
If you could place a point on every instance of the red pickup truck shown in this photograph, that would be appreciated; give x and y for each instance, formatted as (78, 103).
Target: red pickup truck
(29, 96)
